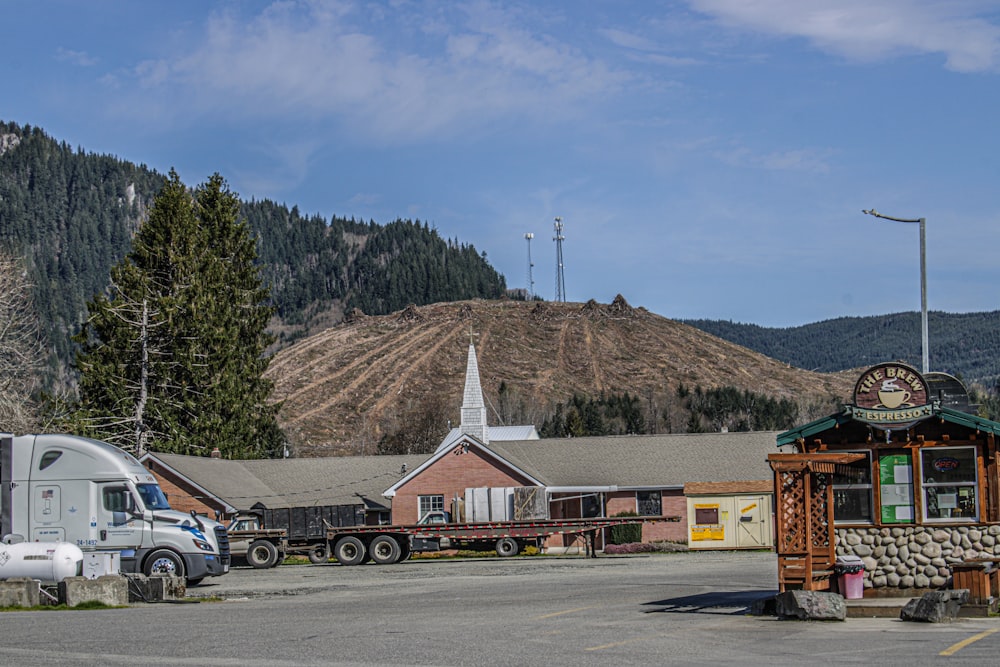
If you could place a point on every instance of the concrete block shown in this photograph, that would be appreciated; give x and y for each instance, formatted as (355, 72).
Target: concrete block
(156, 589)
(19, 592)
(109, 589)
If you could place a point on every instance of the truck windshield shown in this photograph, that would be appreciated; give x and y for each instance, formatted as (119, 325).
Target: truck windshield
(152, 497)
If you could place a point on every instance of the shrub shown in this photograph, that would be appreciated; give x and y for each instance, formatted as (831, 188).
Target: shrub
(626, 533)
(632, 548)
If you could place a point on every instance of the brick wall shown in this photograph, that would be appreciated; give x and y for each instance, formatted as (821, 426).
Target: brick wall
(180, 497)
(450, 476)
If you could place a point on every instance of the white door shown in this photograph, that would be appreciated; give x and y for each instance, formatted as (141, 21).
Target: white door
(751, 521)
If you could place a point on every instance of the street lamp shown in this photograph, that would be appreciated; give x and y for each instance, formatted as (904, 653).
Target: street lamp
(923, 278)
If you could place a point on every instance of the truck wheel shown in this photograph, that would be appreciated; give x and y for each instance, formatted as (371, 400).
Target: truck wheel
(319, 554)
(350, 551)
(262, 554)
(385, 550)
(507, 546)
(164, 562)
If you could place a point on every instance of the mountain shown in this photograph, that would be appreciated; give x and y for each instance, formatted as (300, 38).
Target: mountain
(71, 215)
(965, 345)
(346, 388)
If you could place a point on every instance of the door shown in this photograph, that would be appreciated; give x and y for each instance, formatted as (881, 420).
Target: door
(114, 524)
(752, 525)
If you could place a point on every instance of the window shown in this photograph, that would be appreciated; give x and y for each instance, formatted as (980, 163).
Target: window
(117, 499)
(48, 458)
(852, 492)
(591, 506)
(648, 503)
(706, 514)
(153, 497)
(949, 483)
(433, 503)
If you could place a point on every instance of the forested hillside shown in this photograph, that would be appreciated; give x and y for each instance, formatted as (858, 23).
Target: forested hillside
(71, 215)
(966, 345)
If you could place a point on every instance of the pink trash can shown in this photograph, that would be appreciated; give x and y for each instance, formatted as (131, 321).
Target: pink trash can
(850, 577)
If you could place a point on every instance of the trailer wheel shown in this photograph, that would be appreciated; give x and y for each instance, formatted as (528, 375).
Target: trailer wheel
(385, 550)
(507, 546)
(262, 554)
(350, 551)
(319, 554)
(164, 562)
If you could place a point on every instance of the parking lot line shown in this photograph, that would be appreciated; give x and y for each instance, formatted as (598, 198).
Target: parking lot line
(955, 648)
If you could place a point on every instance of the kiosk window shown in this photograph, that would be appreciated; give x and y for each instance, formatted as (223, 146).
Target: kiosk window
(852, 492)
(949, 482)
(703, 515)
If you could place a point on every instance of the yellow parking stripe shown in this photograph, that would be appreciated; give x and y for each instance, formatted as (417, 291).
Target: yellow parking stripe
(560, 613)
(955, 648)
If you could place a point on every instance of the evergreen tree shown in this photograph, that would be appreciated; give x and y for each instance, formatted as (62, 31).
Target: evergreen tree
(173, 360)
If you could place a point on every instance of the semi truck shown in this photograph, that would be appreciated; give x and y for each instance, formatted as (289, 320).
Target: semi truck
(263, 537)
(65, 488)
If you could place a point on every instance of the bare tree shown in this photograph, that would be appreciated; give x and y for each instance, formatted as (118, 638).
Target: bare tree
(21, 351)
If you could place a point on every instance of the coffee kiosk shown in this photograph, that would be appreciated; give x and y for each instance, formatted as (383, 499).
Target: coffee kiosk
(904, 477)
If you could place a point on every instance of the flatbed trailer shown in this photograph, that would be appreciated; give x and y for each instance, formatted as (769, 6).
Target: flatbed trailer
(390, 544)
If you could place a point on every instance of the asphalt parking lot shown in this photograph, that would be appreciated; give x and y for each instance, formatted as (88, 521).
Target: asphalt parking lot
(683, 608)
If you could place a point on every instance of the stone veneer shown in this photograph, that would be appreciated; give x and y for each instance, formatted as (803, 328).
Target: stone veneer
(916, 556)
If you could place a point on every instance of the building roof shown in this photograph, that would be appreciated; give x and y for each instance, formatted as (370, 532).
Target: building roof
(627, 461)
(623, 462)
(495, 434)
(637, 461)
(275, 483)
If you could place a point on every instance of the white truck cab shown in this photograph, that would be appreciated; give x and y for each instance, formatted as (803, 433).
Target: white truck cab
(65, 488)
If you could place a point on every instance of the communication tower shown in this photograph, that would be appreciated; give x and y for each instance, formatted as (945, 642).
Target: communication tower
(560, 277)
(531, 278)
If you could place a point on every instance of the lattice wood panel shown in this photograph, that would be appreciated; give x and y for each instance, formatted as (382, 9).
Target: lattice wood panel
(819, 523)
(791, 511)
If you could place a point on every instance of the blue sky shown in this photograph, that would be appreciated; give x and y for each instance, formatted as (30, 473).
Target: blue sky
(709, 158)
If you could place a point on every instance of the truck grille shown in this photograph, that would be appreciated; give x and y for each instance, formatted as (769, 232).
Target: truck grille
(222, 538)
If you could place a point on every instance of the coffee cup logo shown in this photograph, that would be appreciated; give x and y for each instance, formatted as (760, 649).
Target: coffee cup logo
(891, 395)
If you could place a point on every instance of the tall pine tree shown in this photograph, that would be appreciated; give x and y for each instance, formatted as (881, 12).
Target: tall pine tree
(173, 360)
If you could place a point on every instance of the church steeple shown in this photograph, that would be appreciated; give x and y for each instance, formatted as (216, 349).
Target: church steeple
(473, 406)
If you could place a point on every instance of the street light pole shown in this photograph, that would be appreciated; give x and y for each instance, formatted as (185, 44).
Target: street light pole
(923, 279)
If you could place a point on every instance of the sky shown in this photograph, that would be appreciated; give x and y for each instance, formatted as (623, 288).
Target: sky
(708, 158)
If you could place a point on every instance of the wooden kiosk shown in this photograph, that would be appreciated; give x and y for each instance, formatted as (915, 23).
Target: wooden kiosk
(905, 477)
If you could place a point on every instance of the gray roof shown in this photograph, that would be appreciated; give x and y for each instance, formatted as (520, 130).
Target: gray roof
(339, 480)
(628, 461)
(643, 460)
(494, 433)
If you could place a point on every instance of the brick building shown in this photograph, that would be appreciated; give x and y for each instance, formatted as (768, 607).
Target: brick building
(475, 470)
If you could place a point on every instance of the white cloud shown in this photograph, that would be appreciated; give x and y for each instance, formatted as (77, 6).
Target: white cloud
(415, 77)
(866, 30)
(81, 58)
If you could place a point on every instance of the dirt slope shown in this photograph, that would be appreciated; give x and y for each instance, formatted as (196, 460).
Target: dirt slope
(343, 387)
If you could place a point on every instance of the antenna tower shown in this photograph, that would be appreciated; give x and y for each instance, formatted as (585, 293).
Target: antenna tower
(531, 279)
(560, 277)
